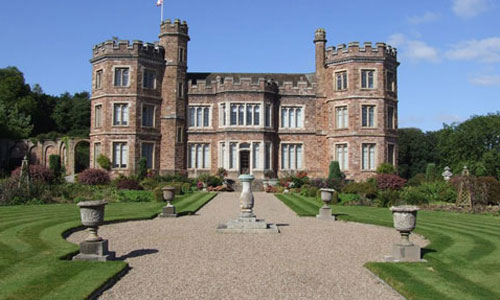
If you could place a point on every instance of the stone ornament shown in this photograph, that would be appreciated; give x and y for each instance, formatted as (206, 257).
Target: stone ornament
(447, 173)
(92, 215)
(405, 220)
(325, 212)
(247, 222)
(168, 196)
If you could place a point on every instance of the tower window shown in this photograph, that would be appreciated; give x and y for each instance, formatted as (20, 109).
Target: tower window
(148, 115)
(341, 117)
(341, 81)
(367, 79)
(390, 82)
(98, 116)
(149, 79)
(98, 79)
(120, 155)
(368, 157)
(368, 115)
(390, 117)
(120, 114)
(121, 77)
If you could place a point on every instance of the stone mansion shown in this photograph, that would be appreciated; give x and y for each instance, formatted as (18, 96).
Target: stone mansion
(146, 104)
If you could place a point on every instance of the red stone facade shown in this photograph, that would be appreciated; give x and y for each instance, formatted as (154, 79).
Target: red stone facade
(145, 103)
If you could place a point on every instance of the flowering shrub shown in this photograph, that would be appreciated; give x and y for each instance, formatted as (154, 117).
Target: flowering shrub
(93, 177)
(38, 173)
(366, 189)
(389, 182)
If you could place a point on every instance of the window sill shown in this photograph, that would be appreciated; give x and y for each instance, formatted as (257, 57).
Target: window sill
(120, 126)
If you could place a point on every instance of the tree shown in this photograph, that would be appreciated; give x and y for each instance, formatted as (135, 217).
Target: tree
(71, 114)
(416, 150)
(13, 124)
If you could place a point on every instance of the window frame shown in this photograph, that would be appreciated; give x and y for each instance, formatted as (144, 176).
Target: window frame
(361, 71)
(390, 117)
(345, 145)
(98, 79)
(113, 113)
(154, 85)
(204, 160)
(370, 162)
(374, 121)
(392, 86)
(344, 80)
(194, 121)
(290, 162)
(295, 106)
(153, 120)
(242, 115)
(152, 153)
(345, 120)
(125, 142)
(96, 155)
(96, 119)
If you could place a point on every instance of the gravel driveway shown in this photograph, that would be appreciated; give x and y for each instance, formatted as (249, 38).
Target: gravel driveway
(184, 258)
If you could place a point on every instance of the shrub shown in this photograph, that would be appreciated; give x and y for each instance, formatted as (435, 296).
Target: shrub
(386, 168)
(36, 192)
(334, 171)
(149, 183)
(180, 176)
(487, 191)
(438, 191)
(186, 188)
(221, 172)
(416, 180)
(269, 174)
(128, 184)
(389, 182)
(134, 196)
(309, 191)
(366, 189)
(38, 173)
(55, 165)
(431, 173)
(93, 177)
(414, 196)
(388, 198)
(142, 170)
(104, 162)
(214, 181)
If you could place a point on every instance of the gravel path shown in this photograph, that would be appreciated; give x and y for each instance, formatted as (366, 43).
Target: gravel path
(185, 258)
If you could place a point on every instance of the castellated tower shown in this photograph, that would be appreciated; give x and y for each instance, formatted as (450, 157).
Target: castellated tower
(360, 90)
(173, 38)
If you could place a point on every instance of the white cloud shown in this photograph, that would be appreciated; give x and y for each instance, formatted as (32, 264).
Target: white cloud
(486, 80)
(486, 50)
(469, 8)
(415, 50)
(425, 18)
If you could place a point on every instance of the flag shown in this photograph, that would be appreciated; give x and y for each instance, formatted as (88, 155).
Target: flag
(159, 2)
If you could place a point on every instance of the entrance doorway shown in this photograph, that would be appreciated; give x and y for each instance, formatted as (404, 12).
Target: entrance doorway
(244, 162)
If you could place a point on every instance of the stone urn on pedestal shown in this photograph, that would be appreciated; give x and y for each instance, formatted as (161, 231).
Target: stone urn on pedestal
(94, 248)
(247, 222)
(325, 212)
(168, 196)
(405, 220)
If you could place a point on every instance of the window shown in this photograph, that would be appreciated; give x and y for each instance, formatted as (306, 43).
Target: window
(367, 79)
(120, 155)
(342, 156)
(98, 116)
(291, 117)
(390, 154)
(181, 54)
(341, 81)
(267, 156)
(232, 155)
(199, 156)
(222, 115)
(120, 114)
(180, 131)
(291, 156)
(390, 117)
(390, 82)
(256, 156)
(97, 152)
(199, 116)
(147, 152)
(121, 77)
(98, 79)
(368, 115)
(368, 157)
(149, 79)
(148, 112)
(341, 117)
(244, 114)
(267, 115)
(180, 90)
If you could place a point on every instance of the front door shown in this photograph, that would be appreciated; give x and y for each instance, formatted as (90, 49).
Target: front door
(244, 162)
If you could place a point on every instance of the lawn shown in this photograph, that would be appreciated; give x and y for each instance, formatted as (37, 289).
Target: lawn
(463, 256)
(31, 248)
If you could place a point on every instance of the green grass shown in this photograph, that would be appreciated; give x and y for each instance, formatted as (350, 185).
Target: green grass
(463, 256)
(31, 248)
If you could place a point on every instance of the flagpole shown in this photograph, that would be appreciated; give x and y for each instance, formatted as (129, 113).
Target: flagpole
(162, 12)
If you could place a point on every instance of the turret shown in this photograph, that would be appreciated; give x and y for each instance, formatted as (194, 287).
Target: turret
(320, 42)
(173, 38)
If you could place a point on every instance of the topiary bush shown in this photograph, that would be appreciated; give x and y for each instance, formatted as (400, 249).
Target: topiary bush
(431, 173)
(186, 188)
(104, 162)
(389, 182)
(334, 171)
(386, 168)
(128, 184)
(38, 173)
(94, 177)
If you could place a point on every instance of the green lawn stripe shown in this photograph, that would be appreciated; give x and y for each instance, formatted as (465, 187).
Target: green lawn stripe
(291, 204)
(186, 201)
(302, 208)
(194, 206)
(310, 207)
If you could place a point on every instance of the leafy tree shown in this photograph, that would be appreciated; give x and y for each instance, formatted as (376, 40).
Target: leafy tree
(72, 114)
(13, 124)
(416, 150)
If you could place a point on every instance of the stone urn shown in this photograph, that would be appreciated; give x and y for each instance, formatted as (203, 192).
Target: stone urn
(405, 220)
(325, 212)
(92, 215)
(168, 195)
(246, 196)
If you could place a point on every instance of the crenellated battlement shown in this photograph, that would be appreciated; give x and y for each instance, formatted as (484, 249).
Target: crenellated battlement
(218, 84)
(134, 48)
(177, 27)
(353, 49)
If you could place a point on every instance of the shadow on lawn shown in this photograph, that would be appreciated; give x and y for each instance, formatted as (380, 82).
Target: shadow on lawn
(137, 253)
(425, 251)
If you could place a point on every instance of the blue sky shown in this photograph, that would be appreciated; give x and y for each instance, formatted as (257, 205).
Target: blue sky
(449, 49)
